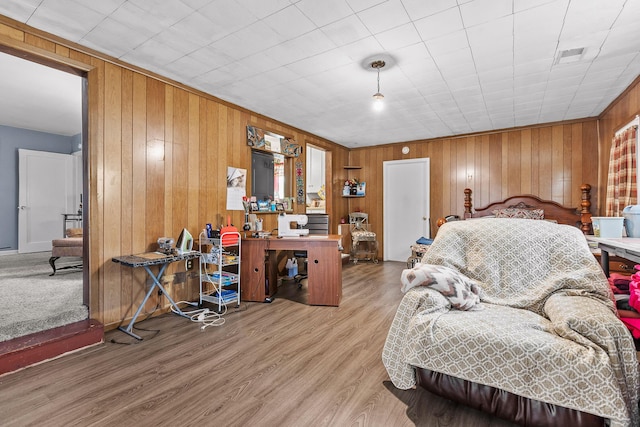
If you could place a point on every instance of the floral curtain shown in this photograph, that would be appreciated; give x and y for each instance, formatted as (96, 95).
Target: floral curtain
(621, 181)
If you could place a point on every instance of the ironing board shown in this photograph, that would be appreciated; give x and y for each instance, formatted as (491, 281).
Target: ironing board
(146, 260)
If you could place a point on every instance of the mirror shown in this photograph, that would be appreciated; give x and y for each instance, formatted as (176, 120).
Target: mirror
(267, 175)
(316, 193)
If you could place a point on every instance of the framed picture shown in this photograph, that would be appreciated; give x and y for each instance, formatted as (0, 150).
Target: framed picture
(254, 206)
(361, 188)
(280, 207)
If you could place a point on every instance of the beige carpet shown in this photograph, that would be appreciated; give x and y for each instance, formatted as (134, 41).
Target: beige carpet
(31, 300)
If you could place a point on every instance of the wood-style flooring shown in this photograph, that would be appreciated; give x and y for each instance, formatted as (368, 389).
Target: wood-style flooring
(279, 364)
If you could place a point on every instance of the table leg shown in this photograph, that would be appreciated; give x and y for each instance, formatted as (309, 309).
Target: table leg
(156, 283)
(604, 261)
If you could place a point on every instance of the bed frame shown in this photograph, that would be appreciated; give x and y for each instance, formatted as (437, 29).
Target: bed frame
(580, 217)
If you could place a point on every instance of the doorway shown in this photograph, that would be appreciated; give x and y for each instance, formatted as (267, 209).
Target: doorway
(405, 206)
(43, 110)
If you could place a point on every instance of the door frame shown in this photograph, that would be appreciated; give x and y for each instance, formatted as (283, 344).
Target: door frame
(80, 69)
(386, 190)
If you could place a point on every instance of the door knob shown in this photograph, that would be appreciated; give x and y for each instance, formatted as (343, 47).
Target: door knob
(424, 218)
(22, 207)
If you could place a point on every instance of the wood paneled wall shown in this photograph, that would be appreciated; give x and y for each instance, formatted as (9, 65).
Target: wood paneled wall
(618, 114)
(158, 154)
(549, 161)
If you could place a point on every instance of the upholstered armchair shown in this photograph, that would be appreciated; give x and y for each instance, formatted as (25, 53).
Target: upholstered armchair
(515, 317)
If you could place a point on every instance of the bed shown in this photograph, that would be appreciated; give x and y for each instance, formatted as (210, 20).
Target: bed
(531, 293)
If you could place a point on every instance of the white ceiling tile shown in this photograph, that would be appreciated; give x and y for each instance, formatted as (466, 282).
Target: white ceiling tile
(440, 24)
(114, 37)
(211, 57)
(361, 49)
(483, 11)
(399, 37)
(488, 38)
(162, 12)
(152, 52)
(227, 15)
(384, 16)
(171, 38)
(358, 5)
(446, 44)
(129, 16)
(289, 22)
(261, 9)
(587, 16)
(104, 6)
(319, 63)
(419, 8)
(20, 11)
(345, 31)
(271, 57)
(255, 37)
(532, 67)
(187, 67)
(325, 12)
(72, 20)
(199, 29)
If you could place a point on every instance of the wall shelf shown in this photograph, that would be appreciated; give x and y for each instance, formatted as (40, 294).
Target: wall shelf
(351, 196)
(353, 167)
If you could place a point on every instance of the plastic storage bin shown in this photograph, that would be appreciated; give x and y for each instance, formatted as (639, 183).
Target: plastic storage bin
(607, 227)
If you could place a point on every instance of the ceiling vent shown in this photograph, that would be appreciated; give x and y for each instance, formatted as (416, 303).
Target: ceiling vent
(569, 55)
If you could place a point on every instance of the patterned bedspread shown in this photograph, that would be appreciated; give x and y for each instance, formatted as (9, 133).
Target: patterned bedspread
(547, 329)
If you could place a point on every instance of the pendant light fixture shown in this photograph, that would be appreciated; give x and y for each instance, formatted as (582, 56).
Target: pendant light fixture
(378, 98)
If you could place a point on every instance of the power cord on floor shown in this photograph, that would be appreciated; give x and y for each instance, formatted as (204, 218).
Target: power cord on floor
(204, 316)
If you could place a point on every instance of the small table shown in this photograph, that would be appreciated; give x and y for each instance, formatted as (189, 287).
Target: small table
(146, 260)
(624, 247)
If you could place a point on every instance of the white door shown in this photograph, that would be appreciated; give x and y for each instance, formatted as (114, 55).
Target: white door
(45, 192)
(406, 206)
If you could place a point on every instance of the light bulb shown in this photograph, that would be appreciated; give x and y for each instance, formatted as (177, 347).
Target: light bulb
(378, 101)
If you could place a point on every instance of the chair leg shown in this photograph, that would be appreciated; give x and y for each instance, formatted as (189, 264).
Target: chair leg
(52, 261)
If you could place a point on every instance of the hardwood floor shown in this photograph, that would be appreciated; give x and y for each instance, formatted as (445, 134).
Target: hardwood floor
(278, 364)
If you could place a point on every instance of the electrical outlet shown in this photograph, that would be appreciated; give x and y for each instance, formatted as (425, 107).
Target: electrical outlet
(189, 264)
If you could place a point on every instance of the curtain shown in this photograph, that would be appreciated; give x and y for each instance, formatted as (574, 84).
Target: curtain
(621, 180)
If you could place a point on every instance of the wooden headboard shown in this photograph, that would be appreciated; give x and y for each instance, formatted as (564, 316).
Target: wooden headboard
(579, 217)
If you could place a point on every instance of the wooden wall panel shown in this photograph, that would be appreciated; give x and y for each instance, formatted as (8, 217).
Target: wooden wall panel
(548, 161)
(618, 114)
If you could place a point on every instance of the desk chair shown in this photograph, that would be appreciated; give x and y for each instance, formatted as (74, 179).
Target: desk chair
(317, 224)
(364, 242)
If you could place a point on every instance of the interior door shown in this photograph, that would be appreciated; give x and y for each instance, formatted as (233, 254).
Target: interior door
(406, 206)
(45, 192)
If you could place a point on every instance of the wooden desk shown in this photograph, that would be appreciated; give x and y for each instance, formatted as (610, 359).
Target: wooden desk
(625, 247)
(324, 267)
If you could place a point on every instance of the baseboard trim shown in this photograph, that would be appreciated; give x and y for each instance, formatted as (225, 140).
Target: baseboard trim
(30, 349)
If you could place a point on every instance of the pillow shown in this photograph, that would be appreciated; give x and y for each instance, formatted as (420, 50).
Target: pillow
(462, 292)
(519, 213)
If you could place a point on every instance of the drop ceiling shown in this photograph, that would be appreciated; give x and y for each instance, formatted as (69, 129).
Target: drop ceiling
(453, 67)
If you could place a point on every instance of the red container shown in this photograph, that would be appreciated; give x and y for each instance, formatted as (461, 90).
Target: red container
(231, 239)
